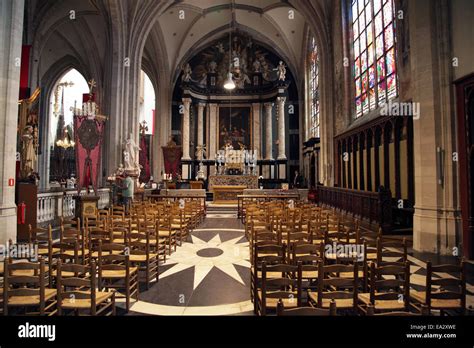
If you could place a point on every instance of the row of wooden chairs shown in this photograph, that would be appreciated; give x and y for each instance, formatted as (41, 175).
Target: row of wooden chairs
(25, 290)
(371, 275)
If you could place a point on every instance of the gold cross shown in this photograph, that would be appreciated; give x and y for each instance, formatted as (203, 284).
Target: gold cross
(92, 84)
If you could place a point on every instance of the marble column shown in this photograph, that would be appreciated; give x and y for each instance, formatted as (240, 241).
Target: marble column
(256, 129)
(185, 134)
(11, 32)
(212, 131)
(268, 131)
(200, 124)
(212, 134)
(281, 128)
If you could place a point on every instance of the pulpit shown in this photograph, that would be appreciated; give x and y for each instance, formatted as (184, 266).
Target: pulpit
(86, 206)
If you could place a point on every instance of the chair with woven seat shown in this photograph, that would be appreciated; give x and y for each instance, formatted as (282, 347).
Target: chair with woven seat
(309, 255)
(78, 293)
(27, 289)
(371, 311)
(389, 289)
(268, 253)
(450, 294)
(71, 231)
(116, 271)
(165, 232)
(178, 223)
(331, 286)
(285, 288)
(68, 254)
(143, 257)
(307, 311)
(394, 250)
(43, 238)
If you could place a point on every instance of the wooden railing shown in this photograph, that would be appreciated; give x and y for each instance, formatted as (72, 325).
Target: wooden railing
(373, 207)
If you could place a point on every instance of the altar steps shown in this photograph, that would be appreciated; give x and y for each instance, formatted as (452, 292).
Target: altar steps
(221, 210)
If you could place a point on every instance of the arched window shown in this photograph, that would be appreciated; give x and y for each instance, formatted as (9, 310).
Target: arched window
(66, 94)
(313, 89)
(375, 72)
(147, 107)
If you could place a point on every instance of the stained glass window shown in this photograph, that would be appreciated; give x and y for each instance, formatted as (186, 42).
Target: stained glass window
(375, 69)
(314, 89)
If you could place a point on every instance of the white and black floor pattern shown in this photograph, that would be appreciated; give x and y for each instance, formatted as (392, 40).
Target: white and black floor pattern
(207, 275)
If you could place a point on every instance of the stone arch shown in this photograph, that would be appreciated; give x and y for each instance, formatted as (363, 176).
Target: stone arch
(47, 83)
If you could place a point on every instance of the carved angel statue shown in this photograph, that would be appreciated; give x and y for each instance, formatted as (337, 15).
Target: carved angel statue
(187, 71)
(200, 152)
(256, 66)
(130, 155)
(281, 71)
(212, 67)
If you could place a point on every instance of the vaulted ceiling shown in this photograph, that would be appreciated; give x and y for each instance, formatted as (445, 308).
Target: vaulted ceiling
(188, 25)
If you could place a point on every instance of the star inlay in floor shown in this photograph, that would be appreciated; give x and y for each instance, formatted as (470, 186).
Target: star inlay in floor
(209, 274)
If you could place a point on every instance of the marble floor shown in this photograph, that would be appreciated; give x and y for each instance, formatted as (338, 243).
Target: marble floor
(209, 274)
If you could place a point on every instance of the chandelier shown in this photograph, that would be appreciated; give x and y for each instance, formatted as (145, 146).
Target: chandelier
(65, 143)
(229, 83)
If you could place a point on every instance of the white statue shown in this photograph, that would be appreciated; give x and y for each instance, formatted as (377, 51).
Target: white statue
(212, 67)
(256, 66)
(130, 155)
(281, 71)
(187, 71)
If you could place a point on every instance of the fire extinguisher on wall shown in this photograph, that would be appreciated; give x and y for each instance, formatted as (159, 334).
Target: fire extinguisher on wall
(21, 213)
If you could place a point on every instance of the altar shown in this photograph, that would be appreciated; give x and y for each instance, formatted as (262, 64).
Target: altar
(226, 188)
(249, 181)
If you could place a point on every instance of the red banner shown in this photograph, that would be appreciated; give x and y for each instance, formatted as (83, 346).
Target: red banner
(172, 158)
(88, 134)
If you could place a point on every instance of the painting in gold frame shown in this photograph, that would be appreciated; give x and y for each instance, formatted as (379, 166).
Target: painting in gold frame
(235, 127)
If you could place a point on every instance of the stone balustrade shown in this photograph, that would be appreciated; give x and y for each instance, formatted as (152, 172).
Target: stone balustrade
(53, 205)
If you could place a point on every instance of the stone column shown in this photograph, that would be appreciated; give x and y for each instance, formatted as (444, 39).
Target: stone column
(436, 225)
(185, 134)
(212, 131)
(256, 129)
(268, 131)
(11, 32)
(200, 124)
(281, 128)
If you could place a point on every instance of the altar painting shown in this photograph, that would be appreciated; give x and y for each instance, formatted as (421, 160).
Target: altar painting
(234, 127)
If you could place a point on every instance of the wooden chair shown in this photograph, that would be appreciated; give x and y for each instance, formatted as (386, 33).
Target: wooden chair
(389, 289)
(27, 291)
(371, 312)
(306, 311)
(395, 250)
(68, 254)
(285, 288)
(116, 272)
(78, 293)
(43, 238)
(71, 231)
(331, 286)
(143, 257)
(268, 253)
(165, 232)
(451, 294)
(309, 255)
